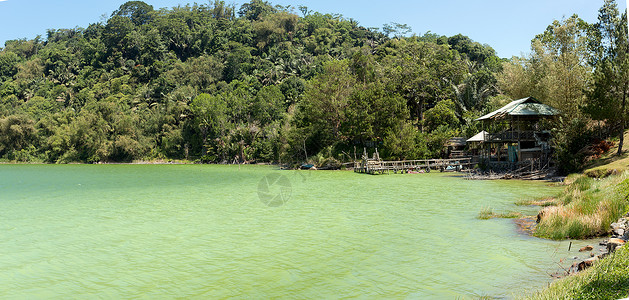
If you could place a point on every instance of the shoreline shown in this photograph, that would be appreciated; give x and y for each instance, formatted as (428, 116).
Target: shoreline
(591, 266)
(581, 251)
(599, 276)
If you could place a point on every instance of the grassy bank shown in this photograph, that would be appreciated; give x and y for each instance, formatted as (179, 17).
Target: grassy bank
(608, 279)
(586, 207)
(589, 204)
(590, 201)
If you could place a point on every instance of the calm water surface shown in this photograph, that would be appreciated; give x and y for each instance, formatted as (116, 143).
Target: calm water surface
(208, 231)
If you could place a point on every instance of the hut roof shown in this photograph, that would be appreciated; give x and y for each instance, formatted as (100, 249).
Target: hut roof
(524, 107)
(479, 137)
(456, 142)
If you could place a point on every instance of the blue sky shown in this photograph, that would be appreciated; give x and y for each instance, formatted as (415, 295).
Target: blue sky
(507, 25)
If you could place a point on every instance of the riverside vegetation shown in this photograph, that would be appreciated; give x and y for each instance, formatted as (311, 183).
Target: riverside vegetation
(267, 83)
(591, 205)
(588, 207)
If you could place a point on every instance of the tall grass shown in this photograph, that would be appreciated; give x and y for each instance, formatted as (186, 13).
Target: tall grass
(543, 201)
(586, 208)
(487, 213)
(607, 279)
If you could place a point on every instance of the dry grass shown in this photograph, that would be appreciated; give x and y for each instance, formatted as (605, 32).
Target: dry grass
(586, 208)
(546, 201)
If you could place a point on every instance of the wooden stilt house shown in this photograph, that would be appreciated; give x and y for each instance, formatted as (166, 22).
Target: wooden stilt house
(516, 137)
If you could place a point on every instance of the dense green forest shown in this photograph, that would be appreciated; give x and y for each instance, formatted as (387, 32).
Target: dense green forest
(266, 83)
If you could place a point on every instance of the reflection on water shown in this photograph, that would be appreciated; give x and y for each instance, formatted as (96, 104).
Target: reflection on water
(211, 231)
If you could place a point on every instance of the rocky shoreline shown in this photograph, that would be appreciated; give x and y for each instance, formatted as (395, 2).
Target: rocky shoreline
(619, 237)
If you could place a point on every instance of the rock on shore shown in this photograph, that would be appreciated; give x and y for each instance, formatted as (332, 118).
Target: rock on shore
(619, 237)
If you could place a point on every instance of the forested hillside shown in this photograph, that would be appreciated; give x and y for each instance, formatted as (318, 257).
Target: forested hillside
(259, 83)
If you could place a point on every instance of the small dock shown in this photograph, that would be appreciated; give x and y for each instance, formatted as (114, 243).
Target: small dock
(375, 166)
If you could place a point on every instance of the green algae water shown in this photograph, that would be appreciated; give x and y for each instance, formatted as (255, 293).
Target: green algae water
(198, 231)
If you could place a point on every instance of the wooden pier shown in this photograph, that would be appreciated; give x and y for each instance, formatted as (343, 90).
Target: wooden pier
(376, 166)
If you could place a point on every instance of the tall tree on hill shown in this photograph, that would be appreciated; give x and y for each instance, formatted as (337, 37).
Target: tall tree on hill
(608, 95)
(137, 11)
(559, 64)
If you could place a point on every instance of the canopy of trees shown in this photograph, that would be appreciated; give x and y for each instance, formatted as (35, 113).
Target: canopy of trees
(260, 83)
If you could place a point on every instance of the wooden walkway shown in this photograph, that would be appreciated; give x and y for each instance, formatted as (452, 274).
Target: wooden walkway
(375, 166)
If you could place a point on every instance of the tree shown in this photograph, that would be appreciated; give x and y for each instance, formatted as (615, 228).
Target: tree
(256, 9)
(398, 30)
(210, 117)
(268, 105)
(16, 133)
(608, 95)
(423, 74)
(372, 112)
(441, 115)
(326, 102)
(274, 28)
(115, 32)
(516, 80)
(137, 11)
(473, 50)
(220, 10)
(196, 81)
(8, 65)
(559, 65)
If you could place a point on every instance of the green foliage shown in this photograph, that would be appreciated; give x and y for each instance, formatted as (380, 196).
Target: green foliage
(256, 9)
(38, 106)
(268, 105)
(401, 142)
(198, 82)
(441, 115)
(8, 65)
(570, 138)
(487, 213)
(17, 132)
(137, 11)
(266, 85)
(609, 43)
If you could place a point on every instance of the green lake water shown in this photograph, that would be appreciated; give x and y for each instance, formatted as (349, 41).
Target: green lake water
(254, 232)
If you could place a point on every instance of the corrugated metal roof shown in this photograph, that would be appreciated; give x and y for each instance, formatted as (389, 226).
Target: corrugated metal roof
(523, 107)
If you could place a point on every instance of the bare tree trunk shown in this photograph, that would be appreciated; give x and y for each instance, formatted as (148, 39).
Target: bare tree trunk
(622, 110)
(622, 119)
(420, 116)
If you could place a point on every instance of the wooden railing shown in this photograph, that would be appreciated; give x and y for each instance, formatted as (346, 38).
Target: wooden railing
(512, 136)
(372, 166)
